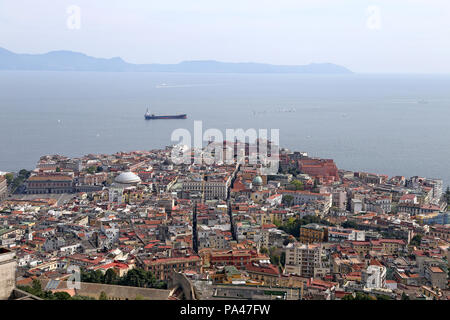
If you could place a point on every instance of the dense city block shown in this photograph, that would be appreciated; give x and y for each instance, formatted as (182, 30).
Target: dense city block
(136, 225)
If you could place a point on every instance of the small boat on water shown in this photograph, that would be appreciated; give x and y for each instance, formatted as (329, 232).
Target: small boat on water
(151, 116)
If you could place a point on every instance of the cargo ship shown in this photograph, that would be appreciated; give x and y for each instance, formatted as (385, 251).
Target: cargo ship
(149, 116)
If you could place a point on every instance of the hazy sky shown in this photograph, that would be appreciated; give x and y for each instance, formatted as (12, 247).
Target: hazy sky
(365, 36)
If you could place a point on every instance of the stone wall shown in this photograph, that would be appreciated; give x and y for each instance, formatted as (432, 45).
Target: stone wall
(114, 292)
(7, 273)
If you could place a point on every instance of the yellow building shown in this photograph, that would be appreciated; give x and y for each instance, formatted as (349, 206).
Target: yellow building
(312, 233)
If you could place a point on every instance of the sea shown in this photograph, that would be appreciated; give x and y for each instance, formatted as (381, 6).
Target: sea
(378, 123)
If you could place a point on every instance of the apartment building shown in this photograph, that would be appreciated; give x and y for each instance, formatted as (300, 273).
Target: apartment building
(313, 232)
(303, 259)
(302, 197)
(441, 232)
(211, 189)
(162, 268)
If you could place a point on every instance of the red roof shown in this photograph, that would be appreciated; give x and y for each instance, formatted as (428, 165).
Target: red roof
(263, 268)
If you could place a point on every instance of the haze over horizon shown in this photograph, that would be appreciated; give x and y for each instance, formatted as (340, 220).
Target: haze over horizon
(408, 36)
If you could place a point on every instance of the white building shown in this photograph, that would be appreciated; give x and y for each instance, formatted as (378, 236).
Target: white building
(302, 197)
(212, 189)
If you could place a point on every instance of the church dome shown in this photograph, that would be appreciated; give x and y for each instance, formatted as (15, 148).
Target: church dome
(257, 181)
(127, 177)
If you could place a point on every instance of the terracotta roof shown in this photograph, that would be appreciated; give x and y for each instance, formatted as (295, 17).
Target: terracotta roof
(50, 178)
(436, 269)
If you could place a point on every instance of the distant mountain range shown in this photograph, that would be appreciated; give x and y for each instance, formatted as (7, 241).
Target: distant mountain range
(75, 61)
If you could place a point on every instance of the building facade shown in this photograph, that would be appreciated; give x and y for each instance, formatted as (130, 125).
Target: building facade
(302, 197)
(312, 233)
(45, 184)
(215, 189)
(303, 259)
(162, 268)
(319, 168)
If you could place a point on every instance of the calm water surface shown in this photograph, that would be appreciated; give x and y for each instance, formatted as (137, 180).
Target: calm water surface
(391, 124)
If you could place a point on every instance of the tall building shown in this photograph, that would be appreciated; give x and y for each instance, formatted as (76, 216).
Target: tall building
(303, 259)
(436, 276)
(437, 186)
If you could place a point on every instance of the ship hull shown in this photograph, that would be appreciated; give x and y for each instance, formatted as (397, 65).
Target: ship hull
(179, 116)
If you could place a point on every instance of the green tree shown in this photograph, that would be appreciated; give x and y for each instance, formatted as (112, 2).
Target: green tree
(277, 222)
(24, 173)
(359, 296)
(416, 240)
(447, 195)
(78, 297)
(297, 185)
(62, 296)
(91, 170)
(363, 296)
(9, 178)
(287, 199)
(383, 297)
(316, 186)
(36, 286)
(58, 169)
(133, 278)
(110, 276)
(292, 225)
(348, 297)
(92, 276)
(350, 224)
(275, 256)
(283, 258)
(103, 296)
